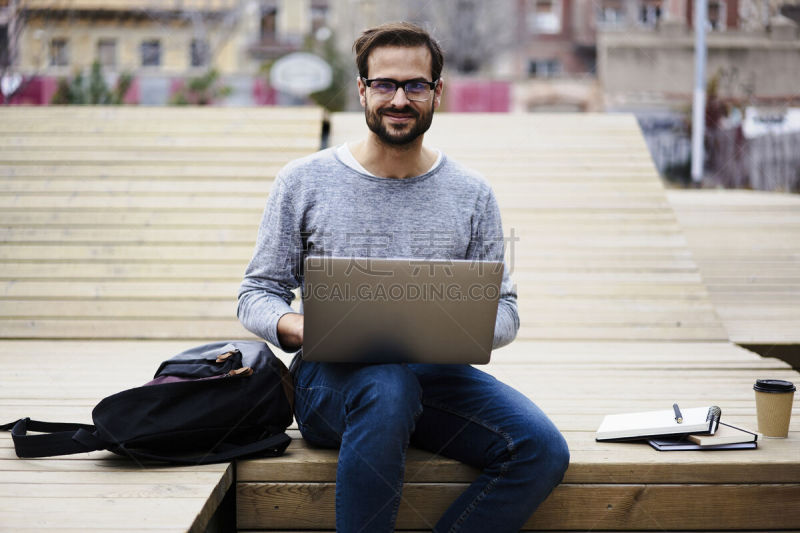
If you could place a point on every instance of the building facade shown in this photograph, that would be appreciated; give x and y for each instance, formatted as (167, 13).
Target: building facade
(161, 43)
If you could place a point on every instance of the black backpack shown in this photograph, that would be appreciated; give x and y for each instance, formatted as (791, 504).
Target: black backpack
(212, 403)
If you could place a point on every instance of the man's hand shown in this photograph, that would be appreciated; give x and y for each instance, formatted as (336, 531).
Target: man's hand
(290, 331)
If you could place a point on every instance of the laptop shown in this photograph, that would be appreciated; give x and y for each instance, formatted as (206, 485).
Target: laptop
(369, 310)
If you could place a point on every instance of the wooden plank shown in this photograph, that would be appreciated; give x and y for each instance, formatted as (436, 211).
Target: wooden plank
(159, 328)
(590, 462)
(747, 245)
(563, 260)
(174, 218)
(106, 309)
(167, 114)
(149, 157)
(602, 506)
(144, 170)
(199, 290)
(131, 201)
(95, 490)
(22, 307)
(174, 490)
(135, 140)
(103, 513)
(107, 490)
(181, 236)
(136, 253)
(260, 186)
(120, 271)
(588, 355)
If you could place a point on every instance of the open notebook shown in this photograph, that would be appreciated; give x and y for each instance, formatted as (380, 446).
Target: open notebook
(645, 424)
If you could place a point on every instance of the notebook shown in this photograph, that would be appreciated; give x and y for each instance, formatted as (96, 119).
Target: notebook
(681, 444)
(630, 426)
(725, 434)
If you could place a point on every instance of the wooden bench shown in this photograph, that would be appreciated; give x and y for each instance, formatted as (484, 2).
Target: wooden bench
(119, 224)
(615, 318)
(608, 486)
(61, 381)
(122, 223)
(747, 245)
(126, 237)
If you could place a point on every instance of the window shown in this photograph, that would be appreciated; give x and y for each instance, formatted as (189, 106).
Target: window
(269, 23)
(200, 53)
(716, 15)
(319, 17)
(649, 12)
(151, 53)
(5, 48)
(107, 52)
(59, 54)
(544, 68)
(610, 13)
(544, 16)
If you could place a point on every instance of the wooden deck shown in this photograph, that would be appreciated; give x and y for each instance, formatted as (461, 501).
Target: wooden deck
(615, 318)
(122, 223)
(747, 245)
(98, 491)
(125, 235)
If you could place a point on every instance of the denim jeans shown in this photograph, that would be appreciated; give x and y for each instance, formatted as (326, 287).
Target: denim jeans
(373, 412)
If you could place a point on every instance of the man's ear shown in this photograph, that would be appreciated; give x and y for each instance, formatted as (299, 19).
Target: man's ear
(437, 94)
(362, 89)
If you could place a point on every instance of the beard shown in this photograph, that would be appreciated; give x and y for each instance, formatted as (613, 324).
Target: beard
(397, 136)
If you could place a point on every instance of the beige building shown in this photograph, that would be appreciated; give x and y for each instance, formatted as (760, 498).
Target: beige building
(656, 69)
(751, 47)
(160, 42)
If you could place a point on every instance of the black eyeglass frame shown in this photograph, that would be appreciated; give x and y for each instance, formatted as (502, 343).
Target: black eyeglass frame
(397, 84)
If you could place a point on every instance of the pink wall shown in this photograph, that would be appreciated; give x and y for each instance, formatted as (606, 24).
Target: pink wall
(263, 93)
(36, 91)
(473, 95)
(40, 90)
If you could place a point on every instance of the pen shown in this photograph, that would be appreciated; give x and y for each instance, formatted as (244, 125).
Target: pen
(678, 415)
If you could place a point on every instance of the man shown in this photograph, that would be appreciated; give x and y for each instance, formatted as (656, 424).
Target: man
(377, 197)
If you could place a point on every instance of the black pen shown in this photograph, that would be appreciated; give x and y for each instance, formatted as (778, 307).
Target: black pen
(678, 415)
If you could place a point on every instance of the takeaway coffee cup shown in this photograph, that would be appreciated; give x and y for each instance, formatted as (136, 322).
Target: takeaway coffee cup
(774, 406)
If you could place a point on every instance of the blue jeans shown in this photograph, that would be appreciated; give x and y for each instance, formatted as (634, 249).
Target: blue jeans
(373, 412)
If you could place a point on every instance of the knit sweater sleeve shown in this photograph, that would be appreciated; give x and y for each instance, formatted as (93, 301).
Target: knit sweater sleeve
(274, 271)
(488, 243)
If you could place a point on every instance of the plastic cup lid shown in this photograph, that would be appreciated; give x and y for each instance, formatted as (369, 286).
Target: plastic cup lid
(773, 385)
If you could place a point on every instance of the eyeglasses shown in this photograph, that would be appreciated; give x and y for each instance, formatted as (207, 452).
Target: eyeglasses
(415, 90)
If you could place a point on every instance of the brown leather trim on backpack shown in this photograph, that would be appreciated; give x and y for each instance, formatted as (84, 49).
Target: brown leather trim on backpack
(224, 357)
(243, 372)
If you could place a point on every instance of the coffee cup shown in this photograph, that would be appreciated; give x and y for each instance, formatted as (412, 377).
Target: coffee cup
(774, 406)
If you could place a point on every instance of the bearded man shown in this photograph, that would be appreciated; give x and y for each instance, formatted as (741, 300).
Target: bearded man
(386, 190)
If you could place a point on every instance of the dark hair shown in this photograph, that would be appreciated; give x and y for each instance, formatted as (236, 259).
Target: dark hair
(397, 34)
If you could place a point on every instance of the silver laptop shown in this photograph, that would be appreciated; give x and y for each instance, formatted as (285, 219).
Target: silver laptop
(367, 310)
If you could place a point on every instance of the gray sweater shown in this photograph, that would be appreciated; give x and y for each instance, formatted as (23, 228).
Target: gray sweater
(318, 205)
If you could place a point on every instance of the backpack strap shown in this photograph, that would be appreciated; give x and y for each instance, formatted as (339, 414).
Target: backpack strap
(58, 438)
(272, 446)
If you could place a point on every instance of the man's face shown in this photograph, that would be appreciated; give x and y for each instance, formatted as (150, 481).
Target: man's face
(399, 121)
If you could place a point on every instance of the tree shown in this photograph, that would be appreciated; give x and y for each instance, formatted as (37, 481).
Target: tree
(334, 98)
(202, 90)
(93, 91)
(12, 82)
(473, 33)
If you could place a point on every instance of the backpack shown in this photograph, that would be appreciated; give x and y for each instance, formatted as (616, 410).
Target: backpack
(212, 403)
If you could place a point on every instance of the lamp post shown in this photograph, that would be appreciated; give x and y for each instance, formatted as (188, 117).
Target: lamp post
(699, 103)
